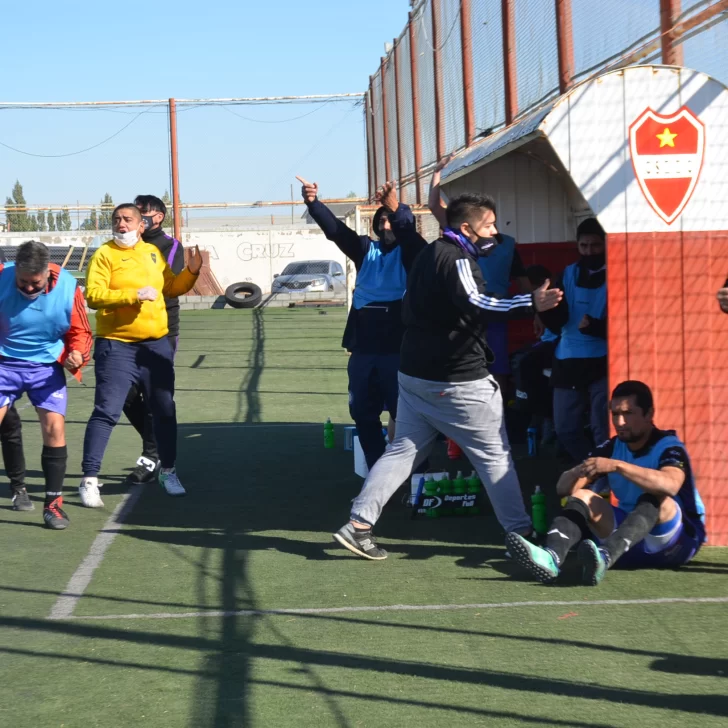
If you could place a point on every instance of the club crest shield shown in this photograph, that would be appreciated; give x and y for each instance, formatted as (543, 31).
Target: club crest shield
(667, 157)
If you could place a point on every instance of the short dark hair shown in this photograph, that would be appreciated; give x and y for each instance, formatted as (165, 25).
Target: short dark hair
(639, 390)
(151, 204)
(463, 208)
(537, 274)
(32, 257)
(590, 226)
(127, 206)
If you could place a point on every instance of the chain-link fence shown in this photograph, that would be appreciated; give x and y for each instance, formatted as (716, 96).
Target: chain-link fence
(523, 53)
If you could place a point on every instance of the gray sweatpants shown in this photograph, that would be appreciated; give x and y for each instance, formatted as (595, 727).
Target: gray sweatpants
(471, 413)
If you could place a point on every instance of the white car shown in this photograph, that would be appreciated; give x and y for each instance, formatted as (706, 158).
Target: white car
(310, 276)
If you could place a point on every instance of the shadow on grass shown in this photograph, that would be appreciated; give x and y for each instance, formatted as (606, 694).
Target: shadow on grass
(228, 667)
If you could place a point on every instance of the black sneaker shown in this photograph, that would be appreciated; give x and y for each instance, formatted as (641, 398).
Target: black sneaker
(360, 542)
(144, 472)
(21, 500)
(54, 516)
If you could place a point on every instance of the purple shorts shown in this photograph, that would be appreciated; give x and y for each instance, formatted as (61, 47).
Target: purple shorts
(45, 384)
(666, 546)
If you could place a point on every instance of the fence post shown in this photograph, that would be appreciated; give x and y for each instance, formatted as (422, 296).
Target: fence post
(414, 85)
(374, 137)
(672, 55)
(508, 13)
(439, 90)
(466, 32)
(369, 127)
(400, 146)
(385, 120)
(175, 168)
(565, 41)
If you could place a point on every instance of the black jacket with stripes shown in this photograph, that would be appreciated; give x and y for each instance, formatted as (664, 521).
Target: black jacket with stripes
(446, 312)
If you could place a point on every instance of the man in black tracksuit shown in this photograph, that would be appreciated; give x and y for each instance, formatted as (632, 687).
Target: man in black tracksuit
(136, 409)
(444, 383)
(374, 328)
(11, 439)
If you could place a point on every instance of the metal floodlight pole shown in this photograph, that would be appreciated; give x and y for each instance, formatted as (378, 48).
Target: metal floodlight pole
(415, 106)
(672, 54)
(369, 131)
(439, 87)
(175, 168)
(466, 34)
(385, 119)
(565, 42)
(396, 53)
(373, 191)
(508, 12)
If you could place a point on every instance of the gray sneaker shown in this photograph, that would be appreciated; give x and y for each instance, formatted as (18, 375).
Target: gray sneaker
(360, 542)
(539, 561)
(21, 500)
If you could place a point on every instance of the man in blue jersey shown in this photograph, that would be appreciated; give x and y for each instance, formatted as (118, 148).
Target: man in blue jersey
(659, 520)
(579, 371)
(374, 328)
(43, 329)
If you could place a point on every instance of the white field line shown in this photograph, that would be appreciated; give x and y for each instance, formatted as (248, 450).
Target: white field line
(68, 599)
(407, 608)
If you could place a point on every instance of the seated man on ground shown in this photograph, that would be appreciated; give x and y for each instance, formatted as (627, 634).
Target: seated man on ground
(659, 520)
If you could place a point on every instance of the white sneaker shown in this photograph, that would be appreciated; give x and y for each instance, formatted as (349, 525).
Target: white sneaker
(169, 480)
(89, 492)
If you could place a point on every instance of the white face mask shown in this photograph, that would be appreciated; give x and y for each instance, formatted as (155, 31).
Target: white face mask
(29, 296)
(127, 240)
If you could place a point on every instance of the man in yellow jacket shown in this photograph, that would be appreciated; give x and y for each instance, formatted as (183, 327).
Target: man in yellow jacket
(126, 282)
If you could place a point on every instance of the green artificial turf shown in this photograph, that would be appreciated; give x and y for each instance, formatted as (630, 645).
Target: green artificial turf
(253, 391)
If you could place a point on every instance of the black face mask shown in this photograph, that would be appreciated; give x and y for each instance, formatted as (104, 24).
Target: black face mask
(485, 246)
(149, 222)
(594, 262)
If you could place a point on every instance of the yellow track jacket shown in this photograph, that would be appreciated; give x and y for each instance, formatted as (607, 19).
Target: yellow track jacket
(113, 278)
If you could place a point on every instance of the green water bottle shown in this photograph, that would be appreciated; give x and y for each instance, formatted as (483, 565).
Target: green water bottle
(538, 511)
(430, 486)
(474, 484)
(445, 485)
(329, 439)
(459, 486)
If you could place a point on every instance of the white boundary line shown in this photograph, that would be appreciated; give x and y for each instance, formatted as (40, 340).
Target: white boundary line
(232, 425)
(68, 599)
(402, 608)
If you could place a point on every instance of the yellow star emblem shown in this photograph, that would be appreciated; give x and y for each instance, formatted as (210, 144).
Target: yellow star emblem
(666, 138)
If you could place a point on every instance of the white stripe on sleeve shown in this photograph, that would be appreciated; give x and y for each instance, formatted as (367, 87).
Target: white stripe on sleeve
(489, 303)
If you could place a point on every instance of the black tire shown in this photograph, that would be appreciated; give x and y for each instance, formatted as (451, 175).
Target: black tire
(243, 295)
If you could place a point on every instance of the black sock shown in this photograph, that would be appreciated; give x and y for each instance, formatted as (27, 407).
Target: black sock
(53, 461)
(568, 528)
(634, 528)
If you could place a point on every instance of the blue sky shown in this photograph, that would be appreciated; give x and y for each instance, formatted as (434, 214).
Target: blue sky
(81, 50)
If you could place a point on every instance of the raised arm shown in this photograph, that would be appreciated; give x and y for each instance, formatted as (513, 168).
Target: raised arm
(402, 222)
(434, 199)
(178, 285)
(348, 241)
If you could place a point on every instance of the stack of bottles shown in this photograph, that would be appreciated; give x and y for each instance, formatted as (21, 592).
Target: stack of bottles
(450, 497)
